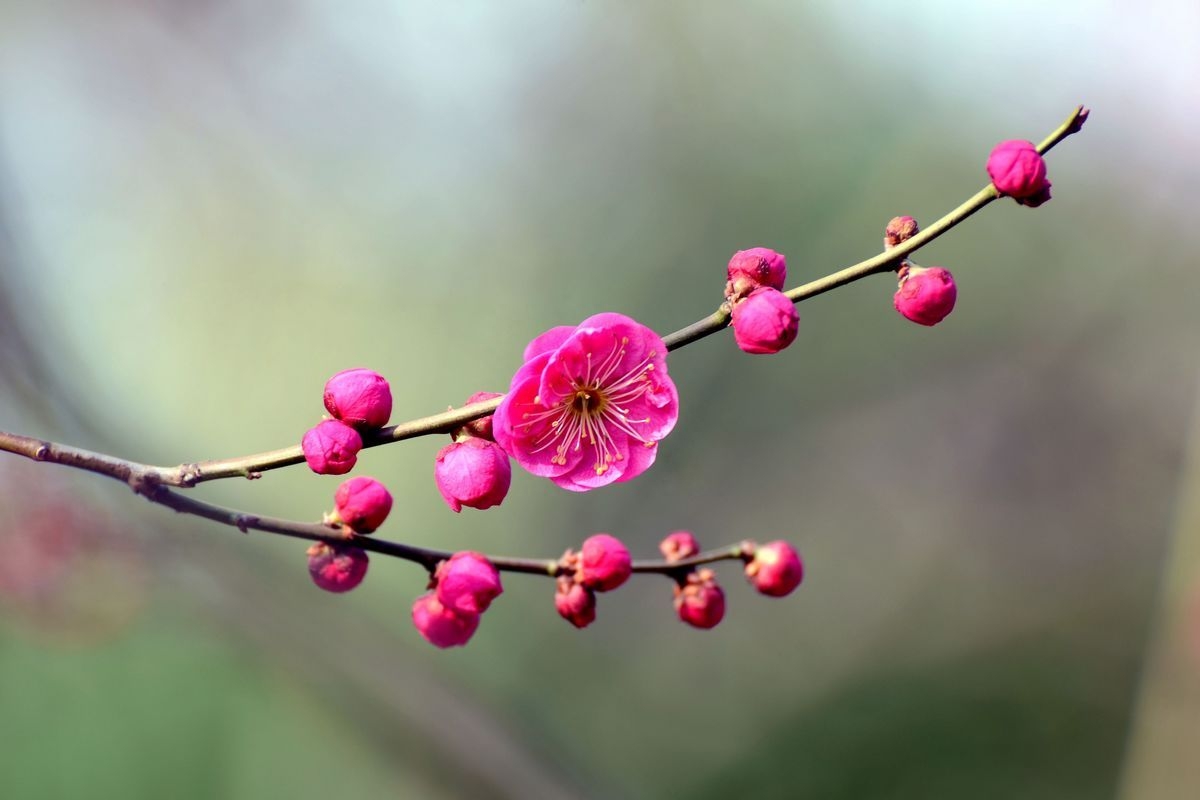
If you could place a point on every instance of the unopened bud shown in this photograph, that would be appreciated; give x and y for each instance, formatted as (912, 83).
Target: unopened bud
(750, 269)
(700, 602)
(679, 545)
(362, 504)
(925, 295)
(359, 397)
(331, 447)
(336, 568)
(900, 229)
(765, 322)
(575, 602)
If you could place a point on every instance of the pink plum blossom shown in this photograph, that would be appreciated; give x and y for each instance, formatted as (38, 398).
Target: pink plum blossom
(926, 295)
(776, 569)
(362, 504)
(331, 447)
(590, 404)
(473, 472)
(1018, 170)
(335, 567)
(765, 322)
(441, 626)
(359, 397)
(467, 582)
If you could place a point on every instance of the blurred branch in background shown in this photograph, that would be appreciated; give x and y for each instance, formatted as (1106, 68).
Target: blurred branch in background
(1161, 760)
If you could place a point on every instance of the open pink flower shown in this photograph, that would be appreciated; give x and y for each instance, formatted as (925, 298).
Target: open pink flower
(590, 404)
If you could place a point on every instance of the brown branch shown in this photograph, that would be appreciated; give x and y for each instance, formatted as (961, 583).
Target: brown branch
(252, 466)
(153, 482)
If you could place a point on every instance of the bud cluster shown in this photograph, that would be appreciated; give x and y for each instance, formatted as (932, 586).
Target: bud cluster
(602, 564)
(358, 400)
(360, 506)
(764, 320)
(463, 587)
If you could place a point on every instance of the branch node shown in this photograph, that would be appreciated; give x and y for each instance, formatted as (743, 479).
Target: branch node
(190, 476)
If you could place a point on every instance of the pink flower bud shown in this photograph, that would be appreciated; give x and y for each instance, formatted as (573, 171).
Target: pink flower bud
(750, 269)
(359, 397)
(926, 295)
(481, 427)
(336, 567)
(1019, 171)
(765, 322)
(700, 603)
(776, 569)
(467, 583)
(679, 545)
(473, 473)
(575, 602)
(900, 229)
(604, 563)
(362, 504)
(441, 626)
(331, 448)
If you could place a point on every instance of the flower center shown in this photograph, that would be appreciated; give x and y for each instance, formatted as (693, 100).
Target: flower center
(597, 413)
(588, 400)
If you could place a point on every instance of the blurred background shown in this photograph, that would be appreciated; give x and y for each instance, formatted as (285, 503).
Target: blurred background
(207, 208)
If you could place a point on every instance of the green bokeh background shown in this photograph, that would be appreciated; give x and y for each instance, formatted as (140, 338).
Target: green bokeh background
(207, 208)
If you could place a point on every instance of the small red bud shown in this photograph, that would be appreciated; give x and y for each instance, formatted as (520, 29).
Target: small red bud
(1018, 170)
(359, 397)
(776, 569)
(679, 545)
(700, 602)
(750, 269)
(336, 568)
(604, 563)
(474, 472)
(441, 626)
(575, 602)
(925, 295)
(900, 229)
(362, 504)
(765, 322)
(331, 447)
(467, 583)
